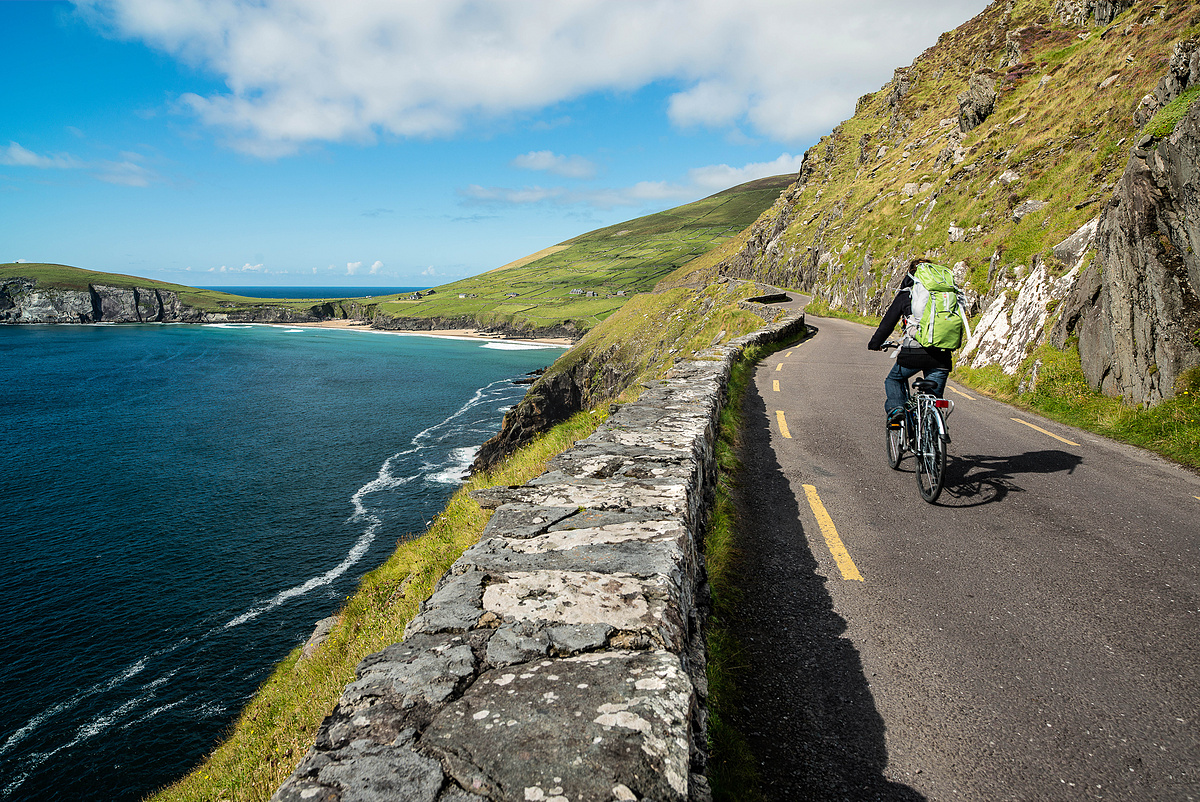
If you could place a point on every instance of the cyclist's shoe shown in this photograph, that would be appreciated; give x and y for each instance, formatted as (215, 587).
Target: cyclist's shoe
(895, 419)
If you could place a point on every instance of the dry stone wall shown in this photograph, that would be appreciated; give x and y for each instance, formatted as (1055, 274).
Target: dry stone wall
(561, 657)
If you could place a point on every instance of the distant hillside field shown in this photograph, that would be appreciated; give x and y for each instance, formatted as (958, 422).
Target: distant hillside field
(587, 278)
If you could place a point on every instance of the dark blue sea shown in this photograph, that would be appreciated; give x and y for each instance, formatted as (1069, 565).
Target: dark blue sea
(180, 504)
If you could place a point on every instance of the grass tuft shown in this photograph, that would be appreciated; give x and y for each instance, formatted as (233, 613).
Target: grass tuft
(1062, 393)
(733, 769)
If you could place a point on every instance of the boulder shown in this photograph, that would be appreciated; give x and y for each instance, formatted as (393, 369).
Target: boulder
(1136, 311)
(977, 103)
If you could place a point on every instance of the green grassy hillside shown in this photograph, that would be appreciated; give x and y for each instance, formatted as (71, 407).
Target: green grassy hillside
(898, 179)
(612, 263)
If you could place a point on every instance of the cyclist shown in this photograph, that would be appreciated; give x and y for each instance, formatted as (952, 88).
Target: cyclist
(912, 358)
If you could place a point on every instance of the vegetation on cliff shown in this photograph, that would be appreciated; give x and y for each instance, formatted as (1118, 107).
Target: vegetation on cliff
(1042, 150)
(921, 170)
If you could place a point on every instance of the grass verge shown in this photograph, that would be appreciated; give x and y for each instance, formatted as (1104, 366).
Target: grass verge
(733, 770)
(1060, 392)
(278, 725)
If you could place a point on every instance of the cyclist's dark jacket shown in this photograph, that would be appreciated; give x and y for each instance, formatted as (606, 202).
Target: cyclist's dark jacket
(912, 355)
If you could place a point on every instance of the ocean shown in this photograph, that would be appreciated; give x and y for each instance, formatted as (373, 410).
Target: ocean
(182, 503)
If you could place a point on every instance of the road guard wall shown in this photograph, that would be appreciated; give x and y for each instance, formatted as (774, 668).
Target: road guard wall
(561, 657)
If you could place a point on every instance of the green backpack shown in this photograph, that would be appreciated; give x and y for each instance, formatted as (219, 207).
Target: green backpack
(937, 319)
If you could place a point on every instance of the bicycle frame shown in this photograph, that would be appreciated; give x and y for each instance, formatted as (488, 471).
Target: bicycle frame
(922, 431)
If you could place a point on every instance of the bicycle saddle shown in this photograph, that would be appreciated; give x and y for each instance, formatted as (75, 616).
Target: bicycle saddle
(924, 385)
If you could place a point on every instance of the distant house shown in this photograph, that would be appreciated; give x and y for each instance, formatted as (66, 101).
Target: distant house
(577, 292)
(591, 293)
(512, 295)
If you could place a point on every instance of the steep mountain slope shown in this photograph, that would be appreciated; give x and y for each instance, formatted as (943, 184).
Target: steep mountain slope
(998, 151)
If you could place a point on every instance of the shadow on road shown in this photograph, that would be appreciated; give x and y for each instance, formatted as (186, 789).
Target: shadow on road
(807, 708)
(976, 479)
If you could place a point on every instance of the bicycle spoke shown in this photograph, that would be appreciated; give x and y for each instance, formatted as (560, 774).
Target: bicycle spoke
(931, 457)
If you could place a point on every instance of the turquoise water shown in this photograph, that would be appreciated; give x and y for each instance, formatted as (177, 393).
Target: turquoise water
(182, 503)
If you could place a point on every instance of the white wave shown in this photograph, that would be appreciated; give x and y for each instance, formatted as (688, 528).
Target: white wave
(357, 551)
(153, 713)
(100, 687)
(457, 470)
(104, 721)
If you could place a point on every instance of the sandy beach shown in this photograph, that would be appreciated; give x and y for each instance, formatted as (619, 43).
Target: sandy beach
(463, 334)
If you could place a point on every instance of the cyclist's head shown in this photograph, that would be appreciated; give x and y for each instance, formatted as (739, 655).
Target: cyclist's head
(912, 266)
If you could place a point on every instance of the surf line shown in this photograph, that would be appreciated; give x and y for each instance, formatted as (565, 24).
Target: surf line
(383, 481)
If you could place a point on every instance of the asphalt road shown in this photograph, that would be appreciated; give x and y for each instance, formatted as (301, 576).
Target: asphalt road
(1032, 636)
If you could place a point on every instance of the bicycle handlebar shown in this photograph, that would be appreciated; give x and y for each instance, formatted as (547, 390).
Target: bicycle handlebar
(889, 344)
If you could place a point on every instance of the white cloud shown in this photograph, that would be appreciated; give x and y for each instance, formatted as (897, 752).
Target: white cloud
(700, 181)
(16, 156)
(550, 162)
(376, 267)
(352, 268)
(312, 70)
(126, 172)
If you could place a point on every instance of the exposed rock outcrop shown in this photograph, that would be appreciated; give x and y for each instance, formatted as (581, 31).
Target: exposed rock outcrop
(977, 103)
(1136, 310)
(22, 300)
(1183, 72)
(1088, 12)
(1014, 322)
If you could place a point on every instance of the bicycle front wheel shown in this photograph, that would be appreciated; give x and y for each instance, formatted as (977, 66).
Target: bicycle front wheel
(895, 447)
(931, 456)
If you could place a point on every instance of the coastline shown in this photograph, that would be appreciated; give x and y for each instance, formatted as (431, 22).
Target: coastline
(457, 334)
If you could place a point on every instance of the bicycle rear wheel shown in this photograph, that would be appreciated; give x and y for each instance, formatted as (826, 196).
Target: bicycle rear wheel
(895, 447)
(931, 457)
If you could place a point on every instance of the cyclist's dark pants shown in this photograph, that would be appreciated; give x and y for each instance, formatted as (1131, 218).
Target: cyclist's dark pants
(896, 384)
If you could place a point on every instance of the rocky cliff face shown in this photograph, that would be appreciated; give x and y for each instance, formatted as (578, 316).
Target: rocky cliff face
(1136, 310)
(22, 300)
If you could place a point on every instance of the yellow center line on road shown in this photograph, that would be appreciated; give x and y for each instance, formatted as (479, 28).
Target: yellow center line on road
(776, 388)
(960, 392)
(788, 354)
(779, 367)
(783, 429)
(1043, 431)
(829, 531)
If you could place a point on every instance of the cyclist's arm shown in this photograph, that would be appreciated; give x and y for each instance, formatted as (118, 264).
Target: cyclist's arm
(896, 311)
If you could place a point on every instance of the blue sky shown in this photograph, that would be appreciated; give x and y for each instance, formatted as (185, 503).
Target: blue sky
(384, 142)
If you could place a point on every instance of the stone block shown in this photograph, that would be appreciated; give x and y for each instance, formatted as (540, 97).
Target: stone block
(577, 728)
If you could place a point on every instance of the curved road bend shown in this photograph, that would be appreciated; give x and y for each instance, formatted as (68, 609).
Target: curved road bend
(1032, 636)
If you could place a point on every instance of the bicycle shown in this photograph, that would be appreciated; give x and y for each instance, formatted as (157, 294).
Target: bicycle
(922, 430)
